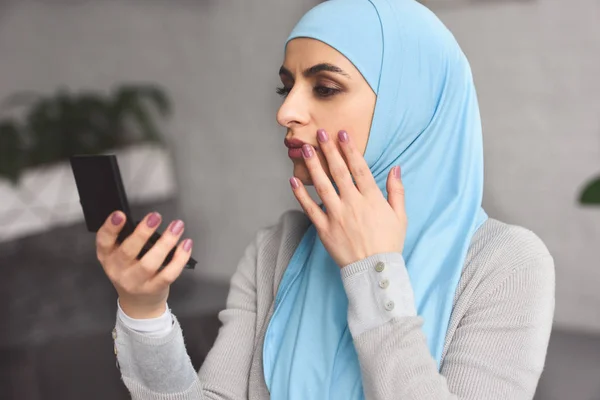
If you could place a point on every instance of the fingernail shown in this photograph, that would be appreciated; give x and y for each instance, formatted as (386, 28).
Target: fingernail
(294, 183)
(343, 136)
(322, 135)
(307, 151)
(187, 244)
(177, 227)
(153, 220)
(116, 219)
(397, 172)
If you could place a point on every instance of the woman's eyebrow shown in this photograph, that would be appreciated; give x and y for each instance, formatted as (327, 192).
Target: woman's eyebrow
(283, 71)
(315, 69)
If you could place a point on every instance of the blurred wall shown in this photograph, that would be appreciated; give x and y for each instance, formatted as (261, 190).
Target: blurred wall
(535, 65)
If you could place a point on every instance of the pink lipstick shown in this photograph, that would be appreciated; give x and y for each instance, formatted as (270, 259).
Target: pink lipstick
(295, 147)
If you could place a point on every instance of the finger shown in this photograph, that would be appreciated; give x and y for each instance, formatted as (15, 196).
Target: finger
(320, 181)
(154, 258)
(173, 269)
(395, 190)
(312, 210)
(133, 244)
(106, 237)
(358, 165)
(337, 165)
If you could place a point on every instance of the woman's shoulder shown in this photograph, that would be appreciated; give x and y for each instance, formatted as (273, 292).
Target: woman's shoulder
(507, 288)
(499, 250)
(495, 242)
(508, 242)
(284, 234)
(291, 222)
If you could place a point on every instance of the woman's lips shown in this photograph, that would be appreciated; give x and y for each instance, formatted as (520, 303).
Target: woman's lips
(295, 153)
(295, 147)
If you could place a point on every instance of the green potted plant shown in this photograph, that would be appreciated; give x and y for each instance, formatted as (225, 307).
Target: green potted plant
(590, 195)
(38, 134)
(41, 130)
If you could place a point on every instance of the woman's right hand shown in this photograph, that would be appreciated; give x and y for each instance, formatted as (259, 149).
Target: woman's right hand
(142, 288)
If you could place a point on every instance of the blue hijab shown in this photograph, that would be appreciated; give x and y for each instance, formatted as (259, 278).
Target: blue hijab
(427, 121)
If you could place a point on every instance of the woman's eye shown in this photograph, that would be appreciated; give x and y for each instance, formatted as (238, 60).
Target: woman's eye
(283, 91)
(324, 91)
(320, 91)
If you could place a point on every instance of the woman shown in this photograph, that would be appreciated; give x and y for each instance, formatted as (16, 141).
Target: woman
(349, 300)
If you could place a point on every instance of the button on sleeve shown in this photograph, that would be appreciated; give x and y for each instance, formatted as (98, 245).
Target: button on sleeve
(378, 290)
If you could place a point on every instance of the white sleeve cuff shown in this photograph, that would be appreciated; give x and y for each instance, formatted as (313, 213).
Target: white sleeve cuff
(154, 327)
(378, 290)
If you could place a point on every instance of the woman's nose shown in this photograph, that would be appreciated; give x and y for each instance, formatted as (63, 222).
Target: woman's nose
(293, 111)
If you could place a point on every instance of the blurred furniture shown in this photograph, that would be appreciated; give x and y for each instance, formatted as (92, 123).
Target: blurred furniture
(84, 367)
(39, 132)
(46, 197)
(572, 369)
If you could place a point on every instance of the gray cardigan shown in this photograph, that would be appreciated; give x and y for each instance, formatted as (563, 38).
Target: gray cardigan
(495, 345)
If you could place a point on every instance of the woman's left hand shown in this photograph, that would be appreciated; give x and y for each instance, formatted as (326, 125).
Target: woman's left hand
(359, 222)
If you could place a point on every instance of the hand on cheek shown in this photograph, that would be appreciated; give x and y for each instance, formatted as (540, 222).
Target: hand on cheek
(358, 222)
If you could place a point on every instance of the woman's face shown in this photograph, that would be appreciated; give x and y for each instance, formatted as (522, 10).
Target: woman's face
(322, 90)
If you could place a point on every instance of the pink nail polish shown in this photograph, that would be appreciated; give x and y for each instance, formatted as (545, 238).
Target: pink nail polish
(397, 172)
(343, 136)
(153, 220)
(177, 227)
(307, 151)
(187, 244)
(116, 219)
(294, 183)
(322, 135)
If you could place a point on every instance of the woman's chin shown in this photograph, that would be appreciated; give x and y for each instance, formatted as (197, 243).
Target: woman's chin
(301, 173)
